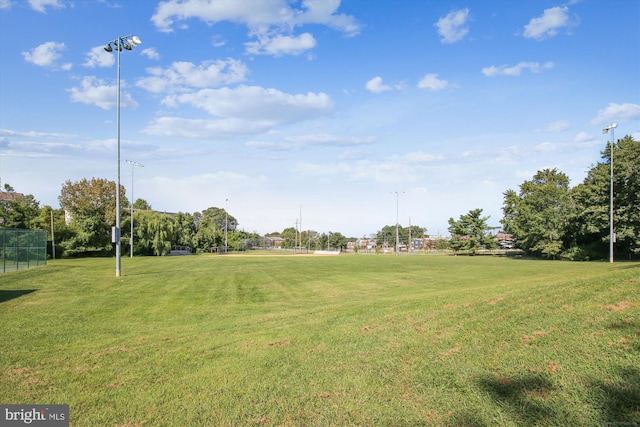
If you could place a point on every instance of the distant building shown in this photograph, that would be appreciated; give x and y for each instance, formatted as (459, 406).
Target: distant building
(7, 196)
(505, 241)
(273, 242)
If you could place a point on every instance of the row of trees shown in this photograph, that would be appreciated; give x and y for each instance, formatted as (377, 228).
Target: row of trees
(82, 225)
(549, 219)
(546, 217)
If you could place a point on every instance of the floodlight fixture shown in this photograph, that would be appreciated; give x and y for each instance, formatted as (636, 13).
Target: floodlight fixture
(611, 127)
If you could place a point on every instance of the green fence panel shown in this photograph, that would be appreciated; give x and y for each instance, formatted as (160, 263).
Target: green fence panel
(22, 249)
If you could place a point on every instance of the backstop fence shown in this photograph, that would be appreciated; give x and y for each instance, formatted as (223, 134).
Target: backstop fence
(22, 249)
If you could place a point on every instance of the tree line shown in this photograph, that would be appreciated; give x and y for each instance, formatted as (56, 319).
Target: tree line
(546, 218)
(549, 219)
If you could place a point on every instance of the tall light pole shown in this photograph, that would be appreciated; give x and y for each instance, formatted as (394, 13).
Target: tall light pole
(133, 165)
(397, 222)
(612, 236)
(119, 43)
(226, 223)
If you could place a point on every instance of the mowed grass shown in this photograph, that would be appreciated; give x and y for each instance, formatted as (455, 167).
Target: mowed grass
(359, 340)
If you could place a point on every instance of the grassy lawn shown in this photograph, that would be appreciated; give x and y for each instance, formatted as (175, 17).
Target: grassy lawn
(322, 341)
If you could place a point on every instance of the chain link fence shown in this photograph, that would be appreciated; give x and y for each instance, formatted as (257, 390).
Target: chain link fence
(22, 249)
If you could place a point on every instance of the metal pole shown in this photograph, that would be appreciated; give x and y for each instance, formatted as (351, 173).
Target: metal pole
(117, 237)
(612, 235)
(53, 239)
(226, 223)
(133, 165)
(397, 220)
(397, 223)
(131, 207)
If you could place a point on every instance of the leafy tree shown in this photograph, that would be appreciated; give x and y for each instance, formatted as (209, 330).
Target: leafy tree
(155, 233)
(593, 198)
(141, 204)
(186, 229)
(538, 216)
(60, 229)
(471, 232)
(20, 212)
(290, 236)
(337, 241)
(388, 234)
(208, 235)
(91, 207)
(220, 218)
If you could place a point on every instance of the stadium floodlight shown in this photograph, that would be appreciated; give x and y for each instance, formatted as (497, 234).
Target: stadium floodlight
(612, 235)
(118, 44)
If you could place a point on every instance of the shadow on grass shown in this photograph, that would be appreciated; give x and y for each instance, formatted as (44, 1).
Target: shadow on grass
(528, 398)
(9, 295)
(619, 400)
(524, 395)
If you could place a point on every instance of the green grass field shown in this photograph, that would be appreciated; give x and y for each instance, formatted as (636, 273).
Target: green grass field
(359, 340)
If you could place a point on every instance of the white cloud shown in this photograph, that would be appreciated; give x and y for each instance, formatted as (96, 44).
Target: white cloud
(583, 137)
(95, 92)
(150, 53)
(98, 57)
(558, 126)
(617, 113)
(281, 45)
(300, 142)
(375, 85)
(271, 21)
(241, 111)
(40, 5)
(453, 27)
(44, 55)
(5, 4)
(405, 168)
(256, 103)
(181, 75)
(34, 134)
(432, 82)
(265, 13)
(218, 41)
(516, 70)
(208, 129)
(548, 24)
(546, 147)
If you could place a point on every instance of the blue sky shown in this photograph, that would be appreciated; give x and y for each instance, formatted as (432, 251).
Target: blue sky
(348, 111)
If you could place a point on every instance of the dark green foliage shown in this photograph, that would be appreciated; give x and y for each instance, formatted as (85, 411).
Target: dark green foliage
(471, 233)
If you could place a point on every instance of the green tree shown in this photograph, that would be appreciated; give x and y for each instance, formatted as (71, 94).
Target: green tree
(471, 232)
(186, 229)
(91, 208)
(208, 234)
(20, 212)
(388, 234)
(538, 216)
(220, 218)
(290, 236)
(155, 233)
(141, 204)
(593, 198)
